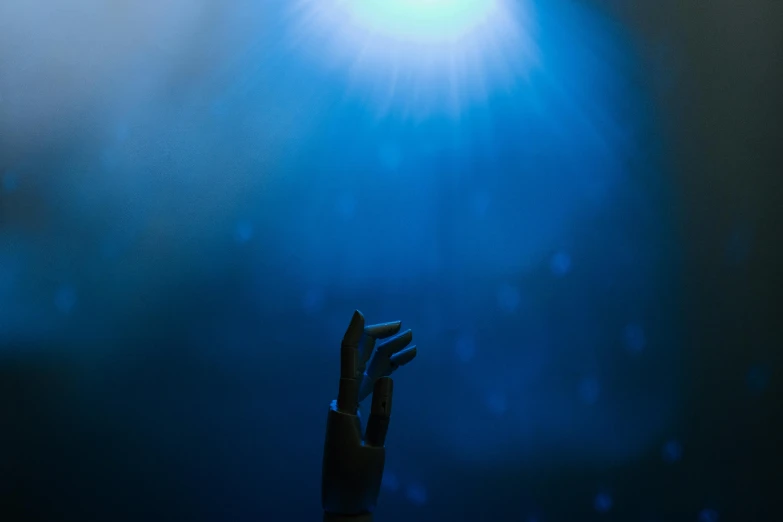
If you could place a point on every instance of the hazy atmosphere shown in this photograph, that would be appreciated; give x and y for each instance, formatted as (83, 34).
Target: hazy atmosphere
(574, 205)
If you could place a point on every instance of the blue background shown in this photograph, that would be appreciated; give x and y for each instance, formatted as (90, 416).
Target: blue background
(195, 198)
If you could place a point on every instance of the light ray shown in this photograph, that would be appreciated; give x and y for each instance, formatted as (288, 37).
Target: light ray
(419, 56)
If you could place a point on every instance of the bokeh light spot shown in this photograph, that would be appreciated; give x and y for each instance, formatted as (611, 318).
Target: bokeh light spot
(589, 390)
(757, 379)
(65, 299)
(634, 337)
(465, 347)
(243, 232)
(390, 481)
(603, 502)
(497, 403)
(313, 300)
(416, 494)
(708, 515)
(672, 451)
(508, 298)
(10, 181)
(560, 264)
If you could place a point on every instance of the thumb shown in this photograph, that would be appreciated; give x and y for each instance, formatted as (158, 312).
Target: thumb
(380, 412)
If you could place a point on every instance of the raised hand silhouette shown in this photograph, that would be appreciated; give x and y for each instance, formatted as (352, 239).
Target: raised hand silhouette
(353, 465)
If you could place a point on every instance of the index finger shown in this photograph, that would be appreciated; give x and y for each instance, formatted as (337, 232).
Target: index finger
(350, 346)
(383, 330)
(371, 334)
(378, 423)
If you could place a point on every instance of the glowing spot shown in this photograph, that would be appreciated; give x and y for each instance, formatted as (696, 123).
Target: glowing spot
(603, 502)
(633, 335)
(428, 21)
(416, 494)
(672, 451)
(497, 403)
(313, 300)
(560, 264)
(466, 348)
(65, 299)
(243, 232)
(757, 379)
(10, 181)
(390, 481)
(708, 515)
(508, 298)
(589, 390)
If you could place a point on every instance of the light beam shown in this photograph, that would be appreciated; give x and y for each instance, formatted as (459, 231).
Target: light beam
(419, 56)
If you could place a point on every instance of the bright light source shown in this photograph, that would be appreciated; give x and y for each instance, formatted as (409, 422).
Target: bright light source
(420, 56)
(426, 21)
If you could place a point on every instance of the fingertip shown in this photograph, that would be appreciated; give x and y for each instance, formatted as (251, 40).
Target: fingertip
(383, 386)
(396, 343)
(383, 330)
(355, 329)
(405, 356)
(357, 319)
